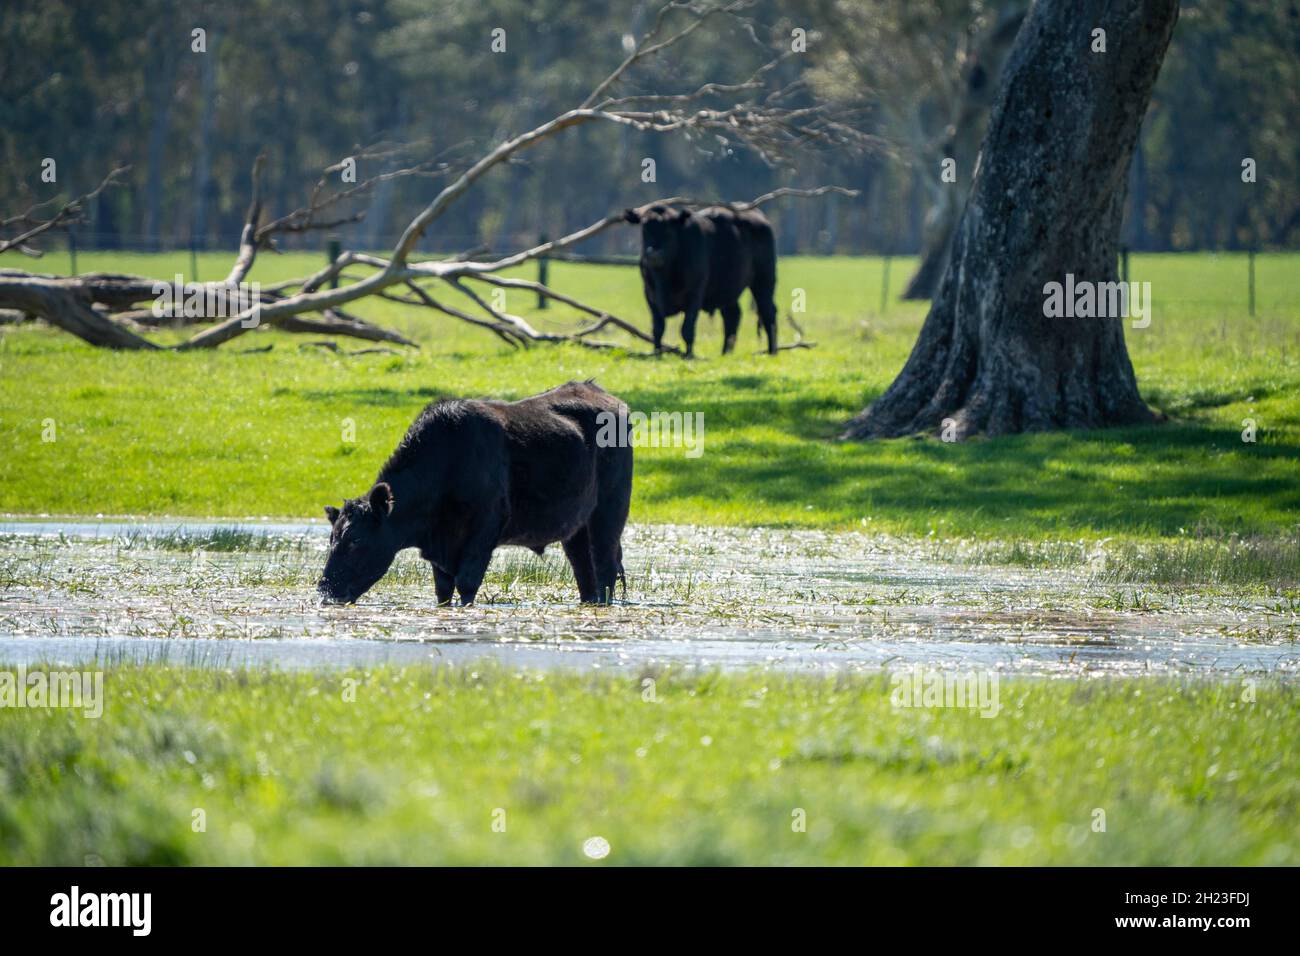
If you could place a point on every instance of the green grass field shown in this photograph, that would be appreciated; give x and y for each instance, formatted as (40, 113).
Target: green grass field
(716, 769)
(417, 767)
(229, 434)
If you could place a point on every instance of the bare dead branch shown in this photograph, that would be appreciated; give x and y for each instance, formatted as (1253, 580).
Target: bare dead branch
(69, 214)
(307, 218)
(770, 121)
(335, 322)
(606, 319)
(508, 335)
(248, 237)
(649, 45)
(755, 82)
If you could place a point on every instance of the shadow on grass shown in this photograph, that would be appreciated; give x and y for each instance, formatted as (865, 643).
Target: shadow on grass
(413, 398)
(1152, 480)
(1204, 399)
(735, 402)
(1159, 480)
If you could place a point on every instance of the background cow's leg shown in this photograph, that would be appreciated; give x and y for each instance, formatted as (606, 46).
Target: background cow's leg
(764, 293)
(730, 325)
(443, 585)
(688, 326)
(657, 328)
(578, 550)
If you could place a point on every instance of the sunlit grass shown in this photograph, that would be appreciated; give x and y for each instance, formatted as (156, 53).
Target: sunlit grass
(415, 765)
(229, 434)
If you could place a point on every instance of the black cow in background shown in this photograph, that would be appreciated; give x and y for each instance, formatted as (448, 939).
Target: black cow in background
(705, 260)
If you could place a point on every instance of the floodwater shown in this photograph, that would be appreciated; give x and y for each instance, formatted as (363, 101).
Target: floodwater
(228, 594)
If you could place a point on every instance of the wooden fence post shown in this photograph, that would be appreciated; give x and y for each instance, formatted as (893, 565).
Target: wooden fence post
(333, 250)
(884, 287)
(1250, 265)
(543, 273)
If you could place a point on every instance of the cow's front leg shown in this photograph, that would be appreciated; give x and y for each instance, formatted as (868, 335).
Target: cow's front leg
(470, 574)
(444, 585)
(475, 556)
(657, 328)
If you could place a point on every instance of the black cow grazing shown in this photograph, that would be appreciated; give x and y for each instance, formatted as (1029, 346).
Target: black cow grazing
(705, 260)
(472, 475)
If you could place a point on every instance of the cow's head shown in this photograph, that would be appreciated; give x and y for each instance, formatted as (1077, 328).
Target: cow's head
(661, 228)
(363, 544)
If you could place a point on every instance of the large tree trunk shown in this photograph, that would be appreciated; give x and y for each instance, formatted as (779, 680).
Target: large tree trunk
(980, 82)
(1047, 200)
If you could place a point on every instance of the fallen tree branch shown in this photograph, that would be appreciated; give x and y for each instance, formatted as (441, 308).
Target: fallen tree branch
(335, 322)
(606, 319)
(104, 309)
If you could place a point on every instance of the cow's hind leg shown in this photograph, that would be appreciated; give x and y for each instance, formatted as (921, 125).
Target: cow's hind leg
(606, 556)
(764, 298)
(730, 325)
(578, 550)
(605, 526)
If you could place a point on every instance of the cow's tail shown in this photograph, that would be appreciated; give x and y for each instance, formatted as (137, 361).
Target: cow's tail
(622, 575)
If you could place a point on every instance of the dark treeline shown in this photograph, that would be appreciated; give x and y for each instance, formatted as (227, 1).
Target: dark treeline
(95, 85)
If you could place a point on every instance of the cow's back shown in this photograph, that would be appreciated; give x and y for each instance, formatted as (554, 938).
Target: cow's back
(551, 439)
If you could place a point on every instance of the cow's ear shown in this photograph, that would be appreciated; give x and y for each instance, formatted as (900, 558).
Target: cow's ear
(682, 216)
(632, 216)
(332, 513)
(381, 499)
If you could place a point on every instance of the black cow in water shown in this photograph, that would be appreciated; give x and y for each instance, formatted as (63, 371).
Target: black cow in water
(705, 260)
(472, 475)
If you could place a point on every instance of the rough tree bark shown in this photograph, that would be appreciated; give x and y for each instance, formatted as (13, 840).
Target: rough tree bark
(1047, 200)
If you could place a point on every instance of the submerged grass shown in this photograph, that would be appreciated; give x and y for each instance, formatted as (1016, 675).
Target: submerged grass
(416, 765)
(1197, 562)
(221, 540)
(1200, 560)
